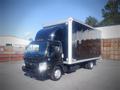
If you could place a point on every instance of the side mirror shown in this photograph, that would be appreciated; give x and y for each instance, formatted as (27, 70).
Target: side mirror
(57, 49)
(26, 47)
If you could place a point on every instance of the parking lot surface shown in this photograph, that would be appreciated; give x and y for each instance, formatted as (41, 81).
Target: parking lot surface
(104, 76)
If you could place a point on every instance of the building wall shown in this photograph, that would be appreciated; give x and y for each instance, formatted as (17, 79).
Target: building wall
(12, 48)
(15, 41)
(110, 48)
(110, 42)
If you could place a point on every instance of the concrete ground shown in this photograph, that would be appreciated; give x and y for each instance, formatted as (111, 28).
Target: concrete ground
(104, 76)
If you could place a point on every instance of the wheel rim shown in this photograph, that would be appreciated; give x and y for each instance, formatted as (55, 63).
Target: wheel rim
(91, 65)
(57, 73)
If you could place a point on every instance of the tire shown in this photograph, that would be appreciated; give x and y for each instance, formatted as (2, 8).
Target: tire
(94, 62)
(89, 65)
(56, 73)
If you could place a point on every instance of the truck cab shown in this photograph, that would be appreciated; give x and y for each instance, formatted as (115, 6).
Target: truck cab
(44, 56)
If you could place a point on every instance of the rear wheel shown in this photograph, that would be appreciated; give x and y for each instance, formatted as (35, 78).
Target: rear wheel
(56, 73)
(89, 65)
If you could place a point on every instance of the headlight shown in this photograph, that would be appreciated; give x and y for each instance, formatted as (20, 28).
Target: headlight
(42, 66)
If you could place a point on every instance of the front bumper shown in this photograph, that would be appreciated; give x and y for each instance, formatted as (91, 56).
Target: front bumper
(28, 70)
(34, 72)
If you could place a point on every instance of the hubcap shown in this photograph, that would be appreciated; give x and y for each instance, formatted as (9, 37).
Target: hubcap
(91, 65)
(57, 73)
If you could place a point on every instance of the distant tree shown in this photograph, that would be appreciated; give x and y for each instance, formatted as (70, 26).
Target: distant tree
(111, 13)
(91, 21)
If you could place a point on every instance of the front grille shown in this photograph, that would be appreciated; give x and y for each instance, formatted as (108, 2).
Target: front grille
(31, 65)
(32, 60)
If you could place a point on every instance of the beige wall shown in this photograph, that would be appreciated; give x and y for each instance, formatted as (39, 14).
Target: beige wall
(110, 42)
(108, 32)
(15, 41)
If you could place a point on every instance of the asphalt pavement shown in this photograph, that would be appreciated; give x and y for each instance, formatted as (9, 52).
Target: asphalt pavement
(104, 76)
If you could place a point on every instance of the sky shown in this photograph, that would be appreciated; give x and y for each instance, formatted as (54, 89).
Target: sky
(24, 18)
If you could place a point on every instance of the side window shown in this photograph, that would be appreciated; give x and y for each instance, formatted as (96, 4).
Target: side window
(8, 44)
(54, 47)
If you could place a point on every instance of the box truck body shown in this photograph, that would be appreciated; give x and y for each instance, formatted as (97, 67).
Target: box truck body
(64, 47)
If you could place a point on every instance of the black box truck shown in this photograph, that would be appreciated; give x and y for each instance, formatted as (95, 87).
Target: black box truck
(62, 48)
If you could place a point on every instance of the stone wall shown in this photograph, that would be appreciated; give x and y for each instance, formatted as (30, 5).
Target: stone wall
(10, 53)
(110, 48)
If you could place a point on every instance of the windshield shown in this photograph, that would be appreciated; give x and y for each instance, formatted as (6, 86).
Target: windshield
(33, 47)
(37, 47)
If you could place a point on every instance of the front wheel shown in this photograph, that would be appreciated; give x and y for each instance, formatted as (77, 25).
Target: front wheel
(56, 73)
